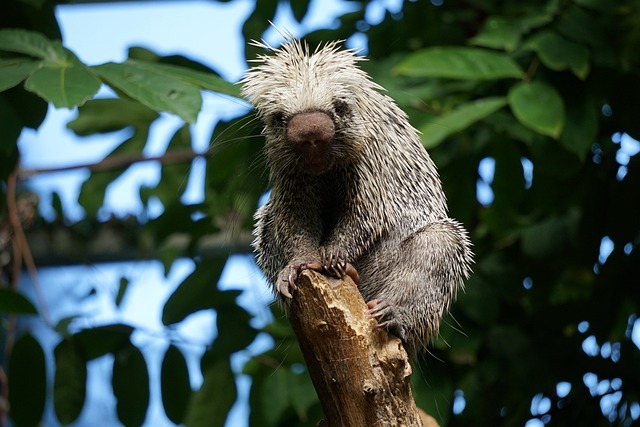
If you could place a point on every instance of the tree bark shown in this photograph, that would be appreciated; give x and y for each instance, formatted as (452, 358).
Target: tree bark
(360, 372)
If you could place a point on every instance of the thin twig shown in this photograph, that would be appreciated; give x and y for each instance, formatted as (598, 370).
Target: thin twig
(4, 397)
(531, 71)
(22, 246)
(120, 162)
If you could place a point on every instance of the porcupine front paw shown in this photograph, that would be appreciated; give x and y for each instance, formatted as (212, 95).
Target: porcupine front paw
(334, 262)
(387, 317)
(289, 275)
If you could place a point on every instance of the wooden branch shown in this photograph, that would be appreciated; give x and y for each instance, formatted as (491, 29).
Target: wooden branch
(110, 163)
(360, 372)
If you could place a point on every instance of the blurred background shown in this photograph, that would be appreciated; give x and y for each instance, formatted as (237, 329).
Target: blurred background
(129, 295)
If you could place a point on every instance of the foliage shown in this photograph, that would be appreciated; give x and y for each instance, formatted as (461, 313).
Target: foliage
(544, 91)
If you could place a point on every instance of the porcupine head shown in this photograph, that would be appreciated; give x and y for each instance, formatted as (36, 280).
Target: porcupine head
(352, 189)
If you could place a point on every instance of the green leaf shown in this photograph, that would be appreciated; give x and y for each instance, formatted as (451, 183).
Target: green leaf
(197, 292)
(61, 78)
(67, 83)
(234, 331)
(459, 63)
(558, 53)
(211, 404)
(549, 236)
(581, 127)
(98, 341)
(11, 302)
(175, 385)
(14, 71)
(299, 9)
(70, 382)
(204, 80)
(276, 387)
(538, 106)
(174, 177)
(122, 290)
(93, 190)
(459, 119)
(153, 88)
(110, 114)
(27, 382)
(499, 33)
(31, 43)
(10, 129)
(303, 395)
(131, 386)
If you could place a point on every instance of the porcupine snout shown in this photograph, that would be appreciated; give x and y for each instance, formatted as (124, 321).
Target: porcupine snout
(311, 134)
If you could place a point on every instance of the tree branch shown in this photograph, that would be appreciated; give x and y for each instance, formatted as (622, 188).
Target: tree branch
(360, 372)
(120, 162)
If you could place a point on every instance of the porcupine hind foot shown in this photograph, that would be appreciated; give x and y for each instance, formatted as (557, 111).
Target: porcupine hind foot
(414, 282)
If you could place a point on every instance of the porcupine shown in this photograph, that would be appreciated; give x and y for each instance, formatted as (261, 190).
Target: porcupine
(352, 187)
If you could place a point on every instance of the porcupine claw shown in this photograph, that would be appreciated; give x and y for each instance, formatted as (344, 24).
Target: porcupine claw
(387, 318)
(335, 263)
(289, 275)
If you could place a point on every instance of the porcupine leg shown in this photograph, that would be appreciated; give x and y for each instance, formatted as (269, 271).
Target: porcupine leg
(427, 268)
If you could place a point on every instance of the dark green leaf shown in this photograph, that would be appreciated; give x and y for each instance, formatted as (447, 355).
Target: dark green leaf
(98, 341)
(70, 382)
(459, 119)
(459, 63)
(174, 177)
(27, 382)
(94, 188)
(130, 386)
(153, 88)
(10, 129)
(26, 109)
(12, 302)
(303, 395)
(14, 71)
(499, 33)
(175, 385)
(538, 106)
(122, 290)
(110, 114)
(299, 9)
(581, 127)
(234, 331)
(479, 301)
(210, 405)
(201, 79)
(256, 24)
(550, 236)
(276, 387)
(197, 292)
(558, 53)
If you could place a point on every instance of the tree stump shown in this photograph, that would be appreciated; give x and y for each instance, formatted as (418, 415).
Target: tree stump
(360, 372)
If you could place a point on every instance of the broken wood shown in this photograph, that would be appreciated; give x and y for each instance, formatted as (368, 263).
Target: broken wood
(361, 373)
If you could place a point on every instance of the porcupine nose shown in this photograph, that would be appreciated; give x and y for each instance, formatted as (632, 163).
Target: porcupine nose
(311, 131)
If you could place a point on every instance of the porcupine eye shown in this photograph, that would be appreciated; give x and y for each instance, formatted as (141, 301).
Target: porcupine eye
(278, 121)
(340, 107)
